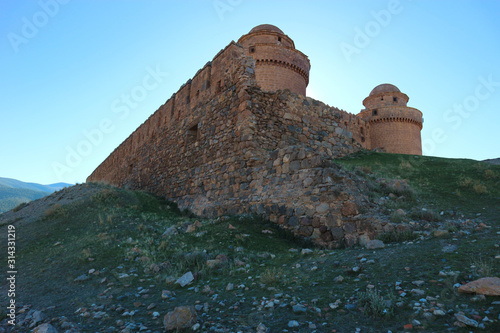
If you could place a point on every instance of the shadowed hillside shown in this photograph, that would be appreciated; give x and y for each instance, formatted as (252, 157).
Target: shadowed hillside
(97, 258)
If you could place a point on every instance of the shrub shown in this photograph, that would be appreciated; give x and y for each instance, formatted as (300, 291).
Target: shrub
(481, 268)
(272, 276)
(479, 188)
(490, 174)
(397, 236)
(466, 182)
(376, 305)
(56, 211)
(20, 206)
(425, 215)
(406, 165)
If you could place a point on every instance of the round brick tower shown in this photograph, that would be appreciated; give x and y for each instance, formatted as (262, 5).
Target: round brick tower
(278, 65)
(394, 127)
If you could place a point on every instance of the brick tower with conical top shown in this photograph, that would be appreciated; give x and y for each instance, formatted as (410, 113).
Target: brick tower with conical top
(278, 65)
(394, 127)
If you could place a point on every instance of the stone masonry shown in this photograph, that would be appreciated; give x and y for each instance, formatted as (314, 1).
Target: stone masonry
(237, 139)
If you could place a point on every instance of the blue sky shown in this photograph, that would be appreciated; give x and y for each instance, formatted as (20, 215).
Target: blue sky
(77, 77)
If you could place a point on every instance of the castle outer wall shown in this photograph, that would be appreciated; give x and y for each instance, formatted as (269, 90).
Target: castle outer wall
(223, 144)
(243, 150)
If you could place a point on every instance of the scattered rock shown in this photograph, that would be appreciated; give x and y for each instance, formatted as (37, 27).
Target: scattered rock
(399, 214)
(478, 298)
(181, 317)
(45, 328)
(449, 248)
(441, 233)
(306, 251)
(418, 292)
(165, 294)
(170, 232)
(293, 323)
(190, 228)
(261, 328)
(299, 308)
(439, 313)
(38, 317)
(338, 279)
(229, 287)
(81, 278)
(375, 244)
(465, 320)
(213, 263)
(185, 279)
(489, 286)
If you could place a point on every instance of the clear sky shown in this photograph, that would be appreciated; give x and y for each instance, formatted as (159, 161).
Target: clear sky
(78, 77)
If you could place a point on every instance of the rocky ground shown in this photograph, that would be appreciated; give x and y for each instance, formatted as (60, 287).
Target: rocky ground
(100, 259)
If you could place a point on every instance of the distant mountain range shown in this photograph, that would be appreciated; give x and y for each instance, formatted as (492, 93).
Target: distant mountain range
(13, 192)
(493, 161)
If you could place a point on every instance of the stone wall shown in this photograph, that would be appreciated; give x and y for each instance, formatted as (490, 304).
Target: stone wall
(221, 145)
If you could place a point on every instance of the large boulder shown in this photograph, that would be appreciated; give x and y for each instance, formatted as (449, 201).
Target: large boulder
(181, 317)
(489, 286)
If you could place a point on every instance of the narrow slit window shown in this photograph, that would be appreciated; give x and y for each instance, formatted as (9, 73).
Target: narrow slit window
(394, 99)
(252, 49)
(193, 134)
(374, 112)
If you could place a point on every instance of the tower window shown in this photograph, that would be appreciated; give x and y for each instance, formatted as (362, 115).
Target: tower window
(279, 39)
(394, 99)
(374, 112)
(252, 49)
(381, 98)
(219, 86)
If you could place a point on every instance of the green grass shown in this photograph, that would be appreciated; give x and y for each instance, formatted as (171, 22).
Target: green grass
(443, 184)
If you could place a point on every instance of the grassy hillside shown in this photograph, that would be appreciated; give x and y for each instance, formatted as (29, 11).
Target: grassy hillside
(467, 186)
(109, 260)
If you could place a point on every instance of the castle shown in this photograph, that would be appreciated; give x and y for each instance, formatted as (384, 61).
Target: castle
(242, 137)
